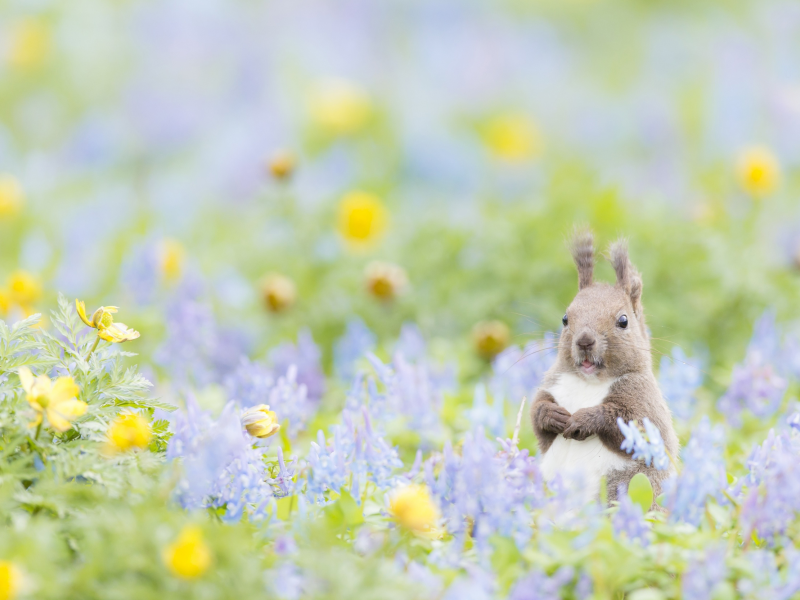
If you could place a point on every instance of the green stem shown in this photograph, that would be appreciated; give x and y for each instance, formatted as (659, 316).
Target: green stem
(94, 347)
(39, 429)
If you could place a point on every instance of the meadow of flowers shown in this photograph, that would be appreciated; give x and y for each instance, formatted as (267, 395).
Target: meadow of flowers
(277, 279)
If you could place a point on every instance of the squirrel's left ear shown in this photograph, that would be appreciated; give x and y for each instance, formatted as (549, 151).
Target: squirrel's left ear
(628, 278)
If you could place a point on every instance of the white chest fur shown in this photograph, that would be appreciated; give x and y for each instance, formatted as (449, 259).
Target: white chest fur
(587, 459)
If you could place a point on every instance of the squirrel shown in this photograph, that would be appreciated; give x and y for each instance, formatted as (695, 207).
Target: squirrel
(603, 372)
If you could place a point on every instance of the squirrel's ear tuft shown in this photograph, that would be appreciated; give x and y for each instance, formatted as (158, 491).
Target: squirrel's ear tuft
(582, 248)
(628, 277)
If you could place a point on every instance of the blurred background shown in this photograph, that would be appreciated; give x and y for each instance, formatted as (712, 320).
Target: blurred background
(233, 174)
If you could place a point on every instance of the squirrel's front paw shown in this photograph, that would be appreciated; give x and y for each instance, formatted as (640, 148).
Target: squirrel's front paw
(552, 417)
(581, 425)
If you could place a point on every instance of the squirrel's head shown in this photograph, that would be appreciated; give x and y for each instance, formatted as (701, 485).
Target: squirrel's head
(604, 333)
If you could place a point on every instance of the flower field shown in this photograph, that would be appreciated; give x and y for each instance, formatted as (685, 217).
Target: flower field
(279, 282)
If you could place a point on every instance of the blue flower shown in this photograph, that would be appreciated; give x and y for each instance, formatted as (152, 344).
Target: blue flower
(705, 572)
(702, 477)
(518, 372)
(538, 586)
(771, 489)
(650, 449)
(629, 520)
(679, 377)
(357, 341)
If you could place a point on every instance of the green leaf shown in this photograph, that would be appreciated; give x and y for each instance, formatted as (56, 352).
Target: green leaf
(641, 491)
(351, 511)
(285, 507)
(646, 593)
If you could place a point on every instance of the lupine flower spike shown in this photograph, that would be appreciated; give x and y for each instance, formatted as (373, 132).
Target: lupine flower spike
(107, 329)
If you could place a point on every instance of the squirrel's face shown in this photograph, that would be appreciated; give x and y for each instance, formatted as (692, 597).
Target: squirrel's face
(604, 334)
(603, 338)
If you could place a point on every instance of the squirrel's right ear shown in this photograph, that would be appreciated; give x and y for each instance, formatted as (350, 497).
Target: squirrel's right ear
(582, 248)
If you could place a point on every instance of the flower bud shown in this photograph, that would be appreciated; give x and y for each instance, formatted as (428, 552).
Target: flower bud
(260, 421)
(189, 556)
(385, 281)
(413, 508)
(129, 431)
(490, 338)
(279, 292)
(282, 165)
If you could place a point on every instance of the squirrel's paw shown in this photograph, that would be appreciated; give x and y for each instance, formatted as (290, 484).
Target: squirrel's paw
(581, 425)
(552, 417)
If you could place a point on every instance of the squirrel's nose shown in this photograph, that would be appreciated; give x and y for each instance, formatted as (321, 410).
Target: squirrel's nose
(585, 341)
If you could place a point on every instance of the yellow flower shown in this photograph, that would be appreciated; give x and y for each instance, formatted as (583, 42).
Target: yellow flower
(5, 301)
(490, 338)
(30, 44)
(260, 421)
(340, 107)
(129, 431)
(102, 320)
(278, 291)
(362, 218)
(758, 171)
(11, 196)
(282, 165)
(172, 257)
(413, 507)
(512, 137)
(55, 399)
(384, 280)
(10, 580)
(24, 288)
(188, 556)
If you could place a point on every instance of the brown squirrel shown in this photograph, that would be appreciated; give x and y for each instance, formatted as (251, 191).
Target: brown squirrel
(603, 372)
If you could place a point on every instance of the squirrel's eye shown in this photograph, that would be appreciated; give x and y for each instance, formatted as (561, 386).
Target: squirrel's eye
(622, 321)
(564, 320)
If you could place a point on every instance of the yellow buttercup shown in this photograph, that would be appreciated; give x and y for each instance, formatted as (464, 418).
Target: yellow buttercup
(55, 400)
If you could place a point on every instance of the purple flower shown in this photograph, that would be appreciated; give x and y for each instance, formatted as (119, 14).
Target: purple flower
(488, 416)
(629, 520)
(679, 378)
(766, 581)
(357, 341)
(702, 477)
(219, 468)
(650, 448)
(411, 345)
(755, 386)
(756, 383)
(411, 395)
(518, 372)
(305, 356)
(771, 489)
(253, 383)
(357, 454)
(495, 490)
(197, 351)
(538, 586)
(705, 573)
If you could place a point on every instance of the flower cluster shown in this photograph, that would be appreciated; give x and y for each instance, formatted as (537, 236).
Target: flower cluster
(679, 377)
(483, 492)
(770, 491)
(648, 447)
(219, 468)
(356, 453)
(519, 371)
(629, 520)
(758, 383)
(702, 476)
(254, 383)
